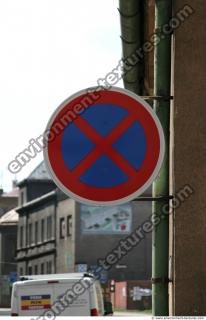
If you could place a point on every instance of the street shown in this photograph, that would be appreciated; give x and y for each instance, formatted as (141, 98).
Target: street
(125, 313)
(132, 313)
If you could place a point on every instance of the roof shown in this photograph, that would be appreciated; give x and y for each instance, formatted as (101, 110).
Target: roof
(39, 173)
(37, 201)
(9, 218)
(74, 275)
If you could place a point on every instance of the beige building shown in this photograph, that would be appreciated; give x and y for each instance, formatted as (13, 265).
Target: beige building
(188, 296)
(8, 200)
(8, 234)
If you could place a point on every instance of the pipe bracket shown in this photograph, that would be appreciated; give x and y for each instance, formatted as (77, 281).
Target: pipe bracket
(158, 98)
(128, 15)
(160, 198)
(163, 280)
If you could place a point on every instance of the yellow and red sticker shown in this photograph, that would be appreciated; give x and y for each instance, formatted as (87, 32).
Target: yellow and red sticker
(37, 302)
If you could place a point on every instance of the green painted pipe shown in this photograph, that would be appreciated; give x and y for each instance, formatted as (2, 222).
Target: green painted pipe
(162, 83)
(132, 33)
(131, 13)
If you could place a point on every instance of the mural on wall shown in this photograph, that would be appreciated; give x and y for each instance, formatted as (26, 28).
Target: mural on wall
(109, 220)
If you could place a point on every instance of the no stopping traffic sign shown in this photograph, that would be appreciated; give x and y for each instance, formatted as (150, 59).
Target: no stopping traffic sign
(104, 147)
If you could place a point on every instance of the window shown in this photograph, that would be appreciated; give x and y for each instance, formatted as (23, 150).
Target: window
(69, 226)
(21, 236)
(30, 270)
(36, 233)
(42, 268)
(21, 272)
(42, 230)
(49, 267)
(30, 236)
(62, 228)
(49, 227)
(36, 269)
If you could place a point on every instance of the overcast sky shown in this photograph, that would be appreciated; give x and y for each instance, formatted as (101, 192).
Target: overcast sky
(49, 50)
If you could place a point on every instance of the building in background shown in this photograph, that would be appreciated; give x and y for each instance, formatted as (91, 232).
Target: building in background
(45, 235)
(8, 236)
(58, 235)
(35, 239)
(98, 232)
(8, 200)
(36, 247)
(8, 265)
(65, 233)
(35, 185)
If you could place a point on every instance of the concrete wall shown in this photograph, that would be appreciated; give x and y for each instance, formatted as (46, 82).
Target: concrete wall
(189, 292)
(91, 247)
(65, 245)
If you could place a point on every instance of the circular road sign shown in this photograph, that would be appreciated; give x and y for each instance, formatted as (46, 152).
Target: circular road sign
(104, 147)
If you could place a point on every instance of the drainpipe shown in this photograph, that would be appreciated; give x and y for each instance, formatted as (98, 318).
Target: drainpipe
(56, 199)
(132, 33)
(162, 83)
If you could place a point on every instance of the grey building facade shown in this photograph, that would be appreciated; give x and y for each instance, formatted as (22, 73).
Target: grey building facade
(36, 248)
(35, 238)
(58, 235)
(94, 243)
(52, 238)
(46, 235)
(65, 234)
(8, 234)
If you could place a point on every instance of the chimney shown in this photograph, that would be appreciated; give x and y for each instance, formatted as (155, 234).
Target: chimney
(14, 184)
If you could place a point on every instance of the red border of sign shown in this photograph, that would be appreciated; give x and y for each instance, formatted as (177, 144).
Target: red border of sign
(92, 194)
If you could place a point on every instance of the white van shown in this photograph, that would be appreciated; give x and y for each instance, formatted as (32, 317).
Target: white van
(76, 294)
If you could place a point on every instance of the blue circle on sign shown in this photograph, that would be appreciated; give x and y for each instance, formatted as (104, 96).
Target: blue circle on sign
(104, 118)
